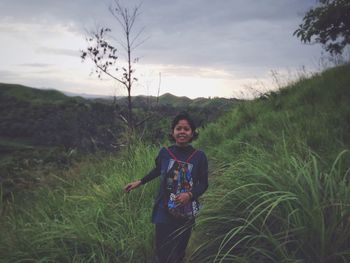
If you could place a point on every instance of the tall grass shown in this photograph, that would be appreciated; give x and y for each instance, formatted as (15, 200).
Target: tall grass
(313, 111)
(276, 208)
(279, 188)
(87, 218)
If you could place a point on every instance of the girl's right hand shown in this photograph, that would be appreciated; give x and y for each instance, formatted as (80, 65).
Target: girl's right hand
(131, 186)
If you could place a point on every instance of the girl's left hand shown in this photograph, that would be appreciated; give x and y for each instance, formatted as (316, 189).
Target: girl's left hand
(182, 198)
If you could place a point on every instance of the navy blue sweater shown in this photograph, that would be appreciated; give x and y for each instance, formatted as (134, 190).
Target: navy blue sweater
(199, 176)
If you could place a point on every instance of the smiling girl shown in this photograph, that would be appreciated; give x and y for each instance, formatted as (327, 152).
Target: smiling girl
(183, 173)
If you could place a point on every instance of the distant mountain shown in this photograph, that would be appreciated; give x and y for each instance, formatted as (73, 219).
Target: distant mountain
(49, 117)
(50, 95)
(171, 100)
(87, 96)
(41, 127)
(24, 93)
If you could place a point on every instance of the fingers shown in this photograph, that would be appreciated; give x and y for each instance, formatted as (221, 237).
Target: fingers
(177, 200)
(182, 198)
(131, 186)
(127, 188)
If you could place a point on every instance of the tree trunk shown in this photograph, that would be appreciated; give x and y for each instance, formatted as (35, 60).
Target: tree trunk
(130, 117)
(131, 121)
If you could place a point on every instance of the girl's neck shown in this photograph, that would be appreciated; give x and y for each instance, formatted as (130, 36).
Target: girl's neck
(182, 145)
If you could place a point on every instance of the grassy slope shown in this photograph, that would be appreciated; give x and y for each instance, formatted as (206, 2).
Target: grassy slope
(280, 183)
(312, 111)
(274, 195)
(30, 94)
(86, 217)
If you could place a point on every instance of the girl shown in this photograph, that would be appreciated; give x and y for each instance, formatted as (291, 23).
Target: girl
(183, 173)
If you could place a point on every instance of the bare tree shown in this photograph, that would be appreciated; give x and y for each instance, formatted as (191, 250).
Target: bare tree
(103, 54)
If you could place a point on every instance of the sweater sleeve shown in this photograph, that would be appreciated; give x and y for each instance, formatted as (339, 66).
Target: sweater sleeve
(202, 181)
(155, 172)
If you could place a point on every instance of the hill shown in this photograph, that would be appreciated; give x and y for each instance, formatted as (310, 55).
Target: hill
(32, 95)
(280, 176)
(278, 192)
(168, 98)
(313, 112)
(50, 118)
(46, 127)
(173, 101)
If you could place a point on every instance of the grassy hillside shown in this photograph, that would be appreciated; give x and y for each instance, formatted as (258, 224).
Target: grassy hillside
(85, 217)
(40, 128)
(44, 130)
(279, 190)
(311, 113)
(183, 102)
(30, 94)
(48, 117)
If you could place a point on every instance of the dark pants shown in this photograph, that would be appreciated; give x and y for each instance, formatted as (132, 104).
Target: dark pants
(171, 241)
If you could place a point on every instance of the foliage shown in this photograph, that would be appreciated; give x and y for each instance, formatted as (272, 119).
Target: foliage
(313, 111)
(43, 131)
(276, 207)
(103, 54)
(85, 217)
(328, 24)
(73, 123)
(49, 118)
(279, 188)
(31, 95)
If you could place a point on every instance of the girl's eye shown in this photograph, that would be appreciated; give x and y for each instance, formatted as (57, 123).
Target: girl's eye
(182, 128)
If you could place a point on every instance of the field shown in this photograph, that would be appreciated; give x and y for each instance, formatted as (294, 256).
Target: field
(279, 190)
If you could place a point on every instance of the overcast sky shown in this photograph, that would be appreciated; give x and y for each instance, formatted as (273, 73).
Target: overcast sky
(224, 48)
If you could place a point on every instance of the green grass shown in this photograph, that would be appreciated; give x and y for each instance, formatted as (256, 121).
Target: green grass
(32, 95)
(276, 208)
(279, 190)
(15, 144)
(312, 111)
(87, 218)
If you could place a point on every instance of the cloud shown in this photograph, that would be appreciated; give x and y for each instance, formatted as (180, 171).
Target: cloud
(190, 71)
(224, 34)
(203, 38)
(181, 32)
(58, 51)
(7, 74)
(35, 65)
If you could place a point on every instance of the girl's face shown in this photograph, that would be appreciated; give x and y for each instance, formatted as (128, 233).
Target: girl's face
(182, 133)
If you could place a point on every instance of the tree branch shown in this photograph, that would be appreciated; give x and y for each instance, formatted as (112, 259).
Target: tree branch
(109, 74)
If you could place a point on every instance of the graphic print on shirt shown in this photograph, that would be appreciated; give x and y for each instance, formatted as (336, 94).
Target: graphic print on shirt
(179, 180)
